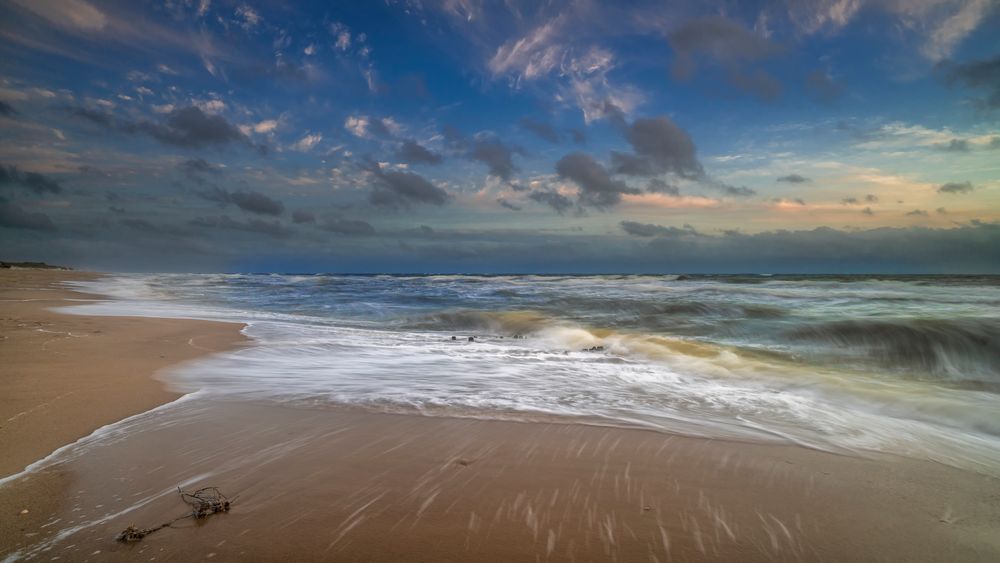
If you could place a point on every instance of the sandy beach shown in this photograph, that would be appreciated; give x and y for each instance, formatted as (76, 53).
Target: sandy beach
(330, 483)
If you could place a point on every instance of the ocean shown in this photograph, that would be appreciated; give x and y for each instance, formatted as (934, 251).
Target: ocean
(906, 365)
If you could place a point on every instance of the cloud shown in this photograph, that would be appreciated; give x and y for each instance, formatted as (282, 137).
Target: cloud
(956, 188)
(249, 201)
(867, 211)
(13, 216)
(255, 202)
(508, 205)
(354, 227)
(793, 179)
(7, 110)
(578, 135)
(737, 191)
(303, 216)
(553, 199)
(249, 18)
(187, 127)
(307, 142)
(660, 146)
(850, 201)
(270, 228)
(917, 213)
(67, 13)
(415, 153)
(658, 186)
(532, 56)
(147, 227)
(956, 145)
(650, 230)
(729, 44)
(966, 248)
(199, 165)
(342, 36)
(540, 129)
(982, 75)
(38, 183)
(403, 189)
(266, 126)
(822, 87)
(940, 25)
(871, 198)
(497, 156)
(368, 127)
(597, 188)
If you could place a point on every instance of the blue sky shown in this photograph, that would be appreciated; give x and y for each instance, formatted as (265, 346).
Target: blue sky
(820, 136)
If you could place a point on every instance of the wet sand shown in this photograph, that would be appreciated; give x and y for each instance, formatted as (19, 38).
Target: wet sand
(333, 483)
(64, 376)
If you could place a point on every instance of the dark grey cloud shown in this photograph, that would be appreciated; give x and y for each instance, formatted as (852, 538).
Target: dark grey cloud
(580, 137)
(942, 211)
(871, 198)
(355, 227)
(660, 146)
(7, 109)
(956, 188)
(553, 199)
(38, 183)
(145, 226)
(995, 143)
(506, 204)
(415, 153)
(270, 228)
(250, 201)
(650, 230)
(850, 201)
(187, 127)
(255, 202)
(867, 211)
(728, 44)
(597, 188)
(822, 87)
(497, 156)
(969, 248)
(116, 210)
(403, 189)
(737, 191)
(540, 129)
(917, 213)
(956, 145)
(793, 179)
(13, 216)
(200, 165)
(982, 76)
(303, 216)
(658, 186)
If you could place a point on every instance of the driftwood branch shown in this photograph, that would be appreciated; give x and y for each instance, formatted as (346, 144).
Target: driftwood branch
(203, 502)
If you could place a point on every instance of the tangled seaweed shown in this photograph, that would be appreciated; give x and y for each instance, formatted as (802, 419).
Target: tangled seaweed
(203, 502)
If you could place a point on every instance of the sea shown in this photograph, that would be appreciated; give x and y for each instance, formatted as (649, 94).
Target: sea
(902, 365)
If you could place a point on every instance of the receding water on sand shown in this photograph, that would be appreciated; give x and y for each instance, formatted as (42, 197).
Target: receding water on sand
(900, 365)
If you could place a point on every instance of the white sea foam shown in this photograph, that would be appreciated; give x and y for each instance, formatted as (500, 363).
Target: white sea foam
(673, 384)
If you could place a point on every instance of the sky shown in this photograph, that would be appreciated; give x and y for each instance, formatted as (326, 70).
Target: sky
(803, 136)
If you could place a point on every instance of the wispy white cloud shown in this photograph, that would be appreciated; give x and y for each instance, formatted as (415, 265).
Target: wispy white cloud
(307, 142)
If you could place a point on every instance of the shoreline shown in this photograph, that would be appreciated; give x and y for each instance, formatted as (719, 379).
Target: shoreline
(65, 375)
(349, 484)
